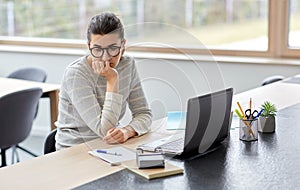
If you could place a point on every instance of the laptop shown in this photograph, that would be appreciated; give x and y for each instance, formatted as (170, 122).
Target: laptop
(207, 126)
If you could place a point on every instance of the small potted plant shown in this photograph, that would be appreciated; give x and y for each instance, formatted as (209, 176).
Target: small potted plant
(267, 118)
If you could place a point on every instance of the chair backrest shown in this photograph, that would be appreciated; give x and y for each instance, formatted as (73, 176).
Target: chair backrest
(49, 145)
(272, 79)
(17, 111)
(31, 74)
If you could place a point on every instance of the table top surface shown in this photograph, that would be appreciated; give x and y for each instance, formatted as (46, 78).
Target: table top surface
(282, 94)
(8, 85)
(270, 162)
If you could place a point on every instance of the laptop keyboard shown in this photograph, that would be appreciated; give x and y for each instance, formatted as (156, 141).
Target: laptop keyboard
(173, 146)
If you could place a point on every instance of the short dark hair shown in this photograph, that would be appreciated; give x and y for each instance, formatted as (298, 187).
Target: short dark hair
(105, 23)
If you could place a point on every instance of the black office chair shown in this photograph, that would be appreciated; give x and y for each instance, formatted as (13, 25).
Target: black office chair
(49, 145)
(17, 112)
(272, 79)
(31, 74)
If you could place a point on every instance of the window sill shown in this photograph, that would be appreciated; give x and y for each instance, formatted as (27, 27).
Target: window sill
(42, 50)
(218, 58)
(152, 55)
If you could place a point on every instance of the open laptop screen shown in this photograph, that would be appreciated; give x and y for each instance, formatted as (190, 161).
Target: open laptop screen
(207, 122)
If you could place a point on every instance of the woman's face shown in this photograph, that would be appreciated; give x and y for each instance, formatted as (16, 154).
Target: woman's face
(108, 47)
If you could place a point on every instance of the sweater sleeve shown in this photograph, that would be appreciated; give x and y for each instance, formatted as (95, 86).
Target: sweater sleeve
(141, 114)
(82, 94)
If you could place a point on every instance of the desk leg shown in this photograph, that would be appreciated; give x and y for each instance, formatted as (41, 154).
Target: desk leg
(53, 95)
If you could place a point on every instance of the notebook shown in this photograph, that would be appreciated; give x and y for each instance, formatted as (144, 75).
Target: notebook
(207, 125)
(153, 173)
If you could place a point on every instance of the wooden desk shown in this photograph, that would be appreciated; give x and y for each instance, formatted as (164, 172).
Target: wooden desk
(235, 167)
(67, 168)
(8, 85)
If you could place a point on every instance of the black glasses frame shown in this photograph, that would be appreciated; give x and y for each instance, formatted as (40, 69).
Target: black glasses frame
(106, 49)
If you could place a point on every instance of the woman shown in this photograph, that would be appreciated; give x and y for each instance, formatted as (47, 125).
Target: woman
(96, 89)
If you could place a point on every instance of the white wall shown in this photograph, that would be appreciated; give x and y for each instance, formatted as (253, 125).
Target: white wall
(168, 83)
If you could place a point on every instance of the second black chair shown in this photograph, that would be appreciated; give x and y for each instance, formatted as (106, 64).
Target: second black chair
(49, 145)
(16, 117)
(272, 79)
(30, 73)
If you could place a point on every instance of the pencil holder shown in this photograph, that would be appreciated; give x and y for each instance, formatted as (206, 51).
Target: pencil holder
(248, 130)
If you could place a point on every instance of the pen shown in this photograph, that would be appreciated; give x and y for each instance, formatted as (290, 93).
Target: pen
(111, 153)
(259, 113)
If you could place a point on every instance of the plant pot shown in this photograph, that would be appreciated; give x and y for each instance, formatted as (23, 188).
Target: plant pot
(267, 124)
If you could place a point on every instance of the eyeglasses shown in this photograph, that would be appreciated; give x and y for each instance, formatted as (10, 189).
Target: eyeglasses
(112, 51)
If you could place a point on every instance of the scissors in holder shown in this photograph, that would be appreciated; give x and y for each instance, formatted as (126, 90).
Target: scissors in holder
(251, 115)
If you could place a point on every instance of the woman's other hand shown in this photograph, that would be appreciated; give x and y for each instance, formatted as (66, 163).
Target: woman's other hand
(119, 135)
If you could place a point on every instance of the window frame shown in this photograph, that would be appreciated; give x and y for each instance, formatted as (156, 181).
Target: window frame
(278, 16)
(286, 51)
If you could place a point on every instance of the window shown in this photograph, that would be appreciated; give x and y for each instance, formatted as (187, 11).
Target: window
(228, 27)
(294, 24)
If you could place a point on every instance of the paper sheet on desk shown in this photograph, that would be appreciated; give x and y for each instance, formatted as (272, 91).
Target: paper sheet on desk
(115, 160)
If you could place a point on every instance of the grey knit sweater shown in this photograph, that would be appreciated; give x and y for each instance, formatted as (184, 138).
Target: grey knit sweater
(87, 111)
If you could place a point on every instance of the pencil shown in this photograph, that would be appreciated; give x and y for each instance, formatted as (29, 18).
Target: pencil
(244, 117)
(250, 129)
(241, 109)
(250, 104)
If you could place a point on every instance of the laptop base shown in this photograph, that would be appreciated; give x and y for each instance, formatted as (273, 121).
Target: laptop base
(194, 155)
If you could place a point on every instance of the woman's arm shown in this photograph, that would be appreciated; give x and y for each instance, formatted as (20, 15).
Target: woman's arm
(141, 113)
(81, 91)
